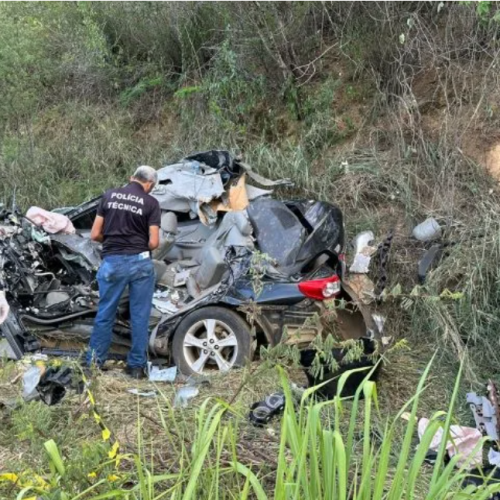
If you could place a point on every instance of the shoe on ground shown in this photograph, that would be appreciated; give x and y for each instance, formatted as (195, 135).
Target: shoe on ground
(135, 372)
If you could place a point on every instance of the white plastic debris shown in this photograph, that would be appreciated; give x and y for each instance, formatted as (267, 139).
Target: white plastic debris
(379, 321)
(137, 392)
(428, 230)
(165, 306)
(364, 252)
(31, 379)
(39, 356)
(184, 394)
(156, 374)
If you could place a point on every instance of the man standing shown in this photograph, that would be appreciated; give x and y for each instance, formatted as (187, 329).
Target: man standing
(127, 223)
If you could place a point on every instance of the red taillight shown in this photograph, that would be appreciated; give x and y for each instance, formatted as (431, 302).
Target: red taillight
(322, 289)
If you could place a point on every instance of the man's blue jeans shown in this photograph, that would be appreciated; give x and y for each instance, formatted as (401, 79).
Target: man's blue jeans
(115, 273)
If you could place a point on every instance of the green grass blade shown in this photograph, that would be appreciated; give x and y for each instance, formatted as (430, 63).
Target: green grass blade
(55, 456)
(252, 479)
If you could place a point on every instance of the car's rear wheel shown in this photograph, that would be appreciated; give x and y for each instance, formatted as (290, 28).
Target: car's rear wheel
(211, 339)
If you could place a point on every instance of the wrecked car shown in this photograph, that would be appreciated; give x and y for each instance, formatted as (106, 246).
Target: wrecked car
(235, 268)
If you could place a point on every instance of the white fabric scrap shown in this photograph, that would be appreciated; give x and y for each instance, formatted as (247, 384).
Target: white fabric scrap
(364, 252)
(52, 222)
(463, 441)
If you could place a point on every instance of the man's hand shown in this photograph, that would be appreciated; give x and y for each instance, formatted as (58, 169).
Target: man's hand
(4, 307)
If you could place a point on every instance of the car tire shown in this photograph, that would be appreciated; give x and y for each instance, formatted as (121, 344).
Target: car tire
(211, 339)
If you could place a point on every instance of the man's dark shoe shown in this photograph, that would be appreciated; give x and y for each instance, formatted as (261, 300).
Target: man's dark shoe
(135, 372)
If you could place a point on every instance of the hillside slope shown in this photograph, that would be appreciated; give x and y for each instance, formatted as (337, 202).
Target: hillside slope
(387, 109)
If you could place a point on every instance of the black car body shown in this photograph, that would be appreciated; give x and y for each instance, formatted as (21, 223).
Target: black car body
(265, 274)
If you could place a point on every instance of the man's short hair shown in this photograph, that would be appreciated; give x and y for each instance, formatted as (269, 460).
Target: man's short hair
(146, 174)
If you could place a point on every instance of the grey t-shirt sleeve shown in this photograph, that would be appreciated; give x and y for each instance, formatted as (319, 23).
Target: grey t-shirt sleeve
(155, 214)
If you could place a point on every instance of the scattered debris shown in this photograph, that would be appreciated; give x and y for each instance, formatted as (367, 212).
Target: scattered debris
(486, 413)
(363, 287)
(428, 260)
(382, 258)
(49, 383)
(137, 392)
(339, 358)
(463, 441)
(156, 374)
(428, 230)
(184, 394)
(54, 383)
(479, 477)
(31, 379)
(466, 443)
(364, 252)
(263, 411)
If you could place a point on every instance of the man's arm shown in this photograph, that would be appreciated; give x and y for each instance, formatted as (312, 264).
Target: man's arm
(96, 234)
(154, 223)
(154, 237)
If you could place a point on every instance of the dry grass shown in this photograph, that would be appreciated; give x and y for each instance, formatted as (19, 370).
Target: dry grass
(73, 427)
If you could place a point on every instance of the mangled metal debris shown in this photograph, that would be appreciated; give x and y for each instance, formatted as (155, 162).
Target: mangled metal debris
(49, 383)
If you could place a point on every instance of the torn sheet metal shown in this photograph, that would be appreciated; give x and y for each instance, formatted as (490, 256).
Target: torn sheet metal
(184, 183)
(364, 252)
(254, 192)
(81, 246)
(165, 306)
(163, 302)
(278, 231)
(237, 198)
(262, 181)
(6, 351)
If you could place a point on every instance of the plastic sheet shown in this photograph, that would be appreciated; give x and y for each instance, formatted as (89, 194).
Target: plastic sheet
(184, 394)
(156, 374)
